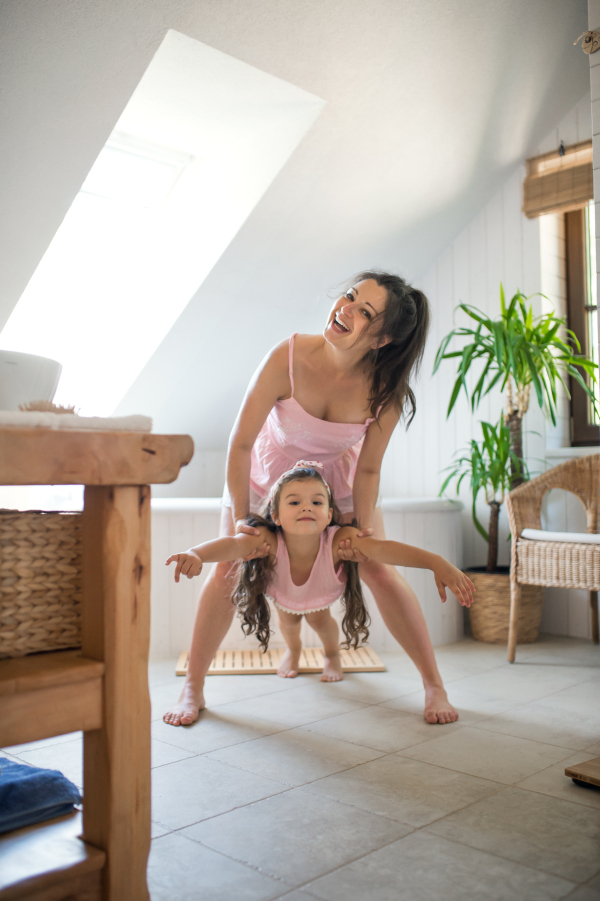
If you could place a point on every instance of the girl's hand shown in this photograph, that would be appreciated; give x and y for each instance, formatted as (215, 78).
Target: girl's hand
(448, 576)
(263, 551)
(188, 564)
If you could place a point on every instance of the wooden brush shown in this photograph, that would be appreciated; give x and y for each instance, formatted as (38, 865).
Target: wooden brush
(44, 406)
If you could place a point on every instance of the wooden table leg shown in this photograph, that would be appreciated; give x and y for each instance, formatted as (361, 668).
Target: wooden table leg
(594, 606)
(116, 630)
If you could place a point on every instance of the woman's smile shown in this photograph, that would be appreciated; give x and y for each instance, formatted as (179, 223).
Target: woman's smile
(338, 325)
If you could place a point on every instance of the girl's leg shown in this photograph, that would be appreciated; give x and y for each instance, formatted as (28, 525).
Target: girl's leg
(290, 623)
(213, 618)
(327, 629)
(402, 615)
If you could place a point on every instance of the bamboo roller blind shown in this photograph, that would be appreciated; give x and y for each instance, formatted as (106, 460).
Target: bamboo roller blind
(556, 183)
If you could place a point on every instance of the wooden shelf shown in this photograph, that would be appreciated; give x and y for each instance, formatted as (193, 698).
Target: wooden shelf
(103, 689)
(71, 457)
(48, 862)
(49, 694)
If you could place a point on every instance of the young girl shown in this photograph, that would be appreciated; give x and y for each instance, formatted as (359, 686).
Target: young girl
(305, 572)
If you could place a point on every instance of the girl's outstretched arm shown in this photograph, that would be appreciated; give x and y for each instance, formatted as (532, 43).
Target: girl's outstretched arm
(219, 550)
(393, 552)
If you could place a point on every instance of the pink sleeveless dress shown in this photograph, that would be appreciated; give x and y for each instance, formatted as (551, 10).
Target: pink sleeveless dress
(290, 434)
(322, 588)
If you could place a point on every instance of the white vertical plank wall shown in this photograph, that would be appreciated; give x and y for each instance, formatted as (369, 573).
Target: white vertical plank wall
(499, 245)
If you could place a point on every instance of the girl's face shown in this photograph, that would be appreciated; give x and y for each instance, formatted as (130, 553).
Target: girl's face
(303, 507)
(352, 314)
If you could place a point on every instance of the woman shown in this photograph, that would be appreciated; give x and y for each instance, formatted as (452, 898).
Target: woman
(335, 398)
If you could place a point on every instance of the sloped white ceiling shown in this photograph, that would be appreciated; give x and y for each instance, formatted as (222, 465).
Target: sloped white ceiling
(430, 104)
(137, 247)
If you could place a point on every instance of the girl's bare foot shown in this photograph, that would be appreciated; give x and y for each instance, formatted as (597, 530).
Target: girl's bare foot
(288, 668)
(186, 711)
(438, 708)
(332, 669)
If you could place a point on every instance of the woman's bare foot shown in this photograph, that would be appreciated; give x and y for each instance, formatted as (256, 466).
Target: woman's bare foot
(186, 710)
(438, 708)
(332, 669)
(288, 668)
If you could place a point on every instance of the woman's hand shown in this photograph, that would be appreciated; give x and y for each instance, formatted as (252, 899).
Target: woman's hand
(263, 551)
(188, 564)
(448, 576)
(347, 552)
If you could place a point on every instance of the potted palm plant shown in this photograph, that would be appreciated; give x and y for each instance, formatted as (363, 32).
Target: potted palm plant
(488, 465)
(514, 353)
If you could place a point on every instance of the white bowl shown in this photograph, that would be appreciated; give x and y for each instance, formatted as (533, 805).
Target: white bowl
(25, 378)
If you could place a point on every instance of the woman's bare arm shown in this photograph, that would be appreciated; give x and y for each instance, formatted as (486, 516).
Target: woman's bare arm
(269, 383)
(393, 552)
(368, 469)
(219, 550)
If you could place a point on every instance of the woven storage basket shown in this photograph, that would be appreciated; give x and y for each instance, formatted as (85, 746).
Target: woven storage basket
(489, 612)
(40, 582)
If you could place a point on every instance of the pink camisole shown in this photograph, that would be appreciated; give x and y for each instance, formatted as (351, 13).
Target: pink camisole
(290, 434)
(322, 588)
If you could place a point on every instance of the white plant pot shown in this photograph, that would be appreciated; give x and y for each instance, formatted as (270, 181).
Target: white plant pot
(25, 378)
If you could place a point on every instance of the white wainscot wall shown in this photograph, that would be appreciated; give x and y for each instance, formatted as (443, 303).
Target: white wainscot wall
(178, 523)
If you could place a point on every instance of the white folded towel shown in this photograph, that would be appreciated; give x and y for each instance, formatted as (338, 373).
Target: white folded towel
(38, 420)
(573, 537)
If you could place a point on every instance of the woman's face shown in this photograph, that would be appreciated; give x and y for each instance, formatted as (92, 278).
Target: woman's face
(352, 315)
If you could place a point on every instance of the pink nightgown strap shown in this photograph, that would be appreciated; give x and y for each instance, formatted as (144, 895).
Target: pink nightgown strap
(291, 362)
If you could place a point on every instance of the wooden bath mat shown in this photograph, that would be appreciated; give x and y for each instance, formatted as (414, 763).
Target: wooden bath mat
(233, 663)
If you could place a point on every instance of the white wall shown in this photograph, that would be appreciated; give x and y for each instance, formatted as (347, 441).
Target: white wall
(500, 244)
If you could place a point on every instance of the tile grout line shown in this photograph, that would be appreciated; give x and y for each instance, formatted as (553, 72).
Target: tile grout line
(328, 872)
(508, 859)
(245, 863)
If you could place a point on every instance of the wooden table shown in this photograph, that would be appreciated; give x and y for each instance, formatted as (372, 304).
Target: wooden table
(102, 689)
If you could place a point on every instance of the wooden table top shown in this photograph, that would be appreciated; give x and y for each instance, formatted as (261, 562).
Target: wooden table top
(86, 457)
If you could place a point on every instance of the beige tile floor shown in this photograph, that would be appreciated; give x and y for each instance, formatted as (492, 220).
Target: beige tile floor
(299, 790)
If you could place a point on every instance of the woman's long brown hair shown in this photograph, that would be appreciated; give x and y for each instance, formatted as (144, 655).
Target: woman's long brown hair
(405, 321)
(250, 594)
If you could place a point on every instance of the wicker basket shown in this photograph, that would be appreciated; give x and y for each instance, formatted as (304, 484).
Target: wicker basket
(489, 612)
(40, 582)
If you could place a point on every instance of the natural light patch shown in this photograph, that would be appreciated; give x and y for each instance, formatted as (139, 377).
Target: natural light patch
(198, 144)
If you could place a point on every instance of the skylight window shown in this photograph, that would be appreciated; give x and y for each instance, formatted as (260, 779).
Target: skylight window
(198, 144)
(83, 301)
(134, 174)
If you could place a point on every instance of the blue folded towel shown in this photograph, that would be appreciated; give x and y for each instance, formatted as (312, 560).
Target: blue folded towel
(30, 795)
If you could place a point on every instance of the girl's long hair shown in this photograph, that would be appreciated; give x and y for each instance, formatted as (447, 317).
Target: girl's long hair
(405, 321)
(250, 594)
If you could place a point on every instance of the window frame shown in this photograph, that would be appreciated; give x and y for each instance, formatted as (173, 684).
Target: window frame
(583, 433)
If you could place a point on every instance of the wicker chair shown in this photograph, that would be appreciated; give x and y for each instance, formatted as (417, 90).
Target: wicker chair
(565, 561)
